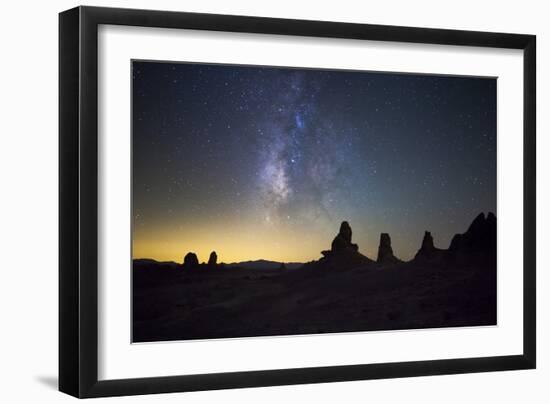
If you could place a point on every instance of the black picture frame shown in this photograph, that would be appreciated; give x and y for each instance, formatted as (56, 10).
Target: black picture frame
(78, 203)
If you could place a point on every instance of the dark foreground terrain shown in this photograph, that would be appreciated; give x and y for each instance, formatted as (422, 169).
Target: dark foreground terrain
(344, 291)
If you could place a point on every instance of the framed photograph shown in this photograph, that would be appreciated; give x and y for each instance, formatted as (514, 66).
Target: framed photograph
(251, 201)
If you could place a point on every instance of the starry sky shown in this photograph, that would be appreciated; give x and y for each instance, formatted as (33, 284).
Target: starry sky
(266, 162)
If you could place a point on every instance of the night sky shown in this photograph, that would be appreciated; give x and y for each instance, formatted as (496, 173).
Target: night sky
(261, 162)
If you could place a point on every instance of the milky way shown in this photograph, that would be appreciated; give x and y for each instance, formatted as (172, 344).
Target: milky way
(261, 162)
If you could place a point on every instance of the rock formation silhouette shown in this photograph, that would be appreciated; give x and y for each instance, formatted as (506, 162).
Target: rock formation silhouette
(190, 260)
(213, 259)
(385, 252)
(343, 253)
(427, 250)
(342, 241)
(480, 237)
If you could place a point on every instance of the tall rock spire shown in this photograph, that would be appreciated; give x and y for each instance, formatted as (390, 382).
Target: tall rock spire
(385, 252)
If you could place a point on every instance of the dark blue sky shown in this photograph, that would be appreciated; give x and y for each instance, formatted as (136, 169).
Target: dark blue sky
(261, 162)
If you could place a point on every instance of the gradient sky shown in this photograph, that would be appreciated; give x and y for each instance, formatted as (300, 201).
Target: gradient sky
(261, 162)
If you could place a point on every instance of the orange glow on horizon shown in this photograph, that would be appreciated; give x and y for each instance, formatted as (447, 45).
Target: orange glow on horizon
(230, 246)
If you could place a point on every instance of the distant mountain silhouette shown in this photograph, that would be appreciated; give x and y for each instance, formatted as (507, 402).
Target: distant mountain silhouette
(143, 262)
(264, 264)
(191, 261)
